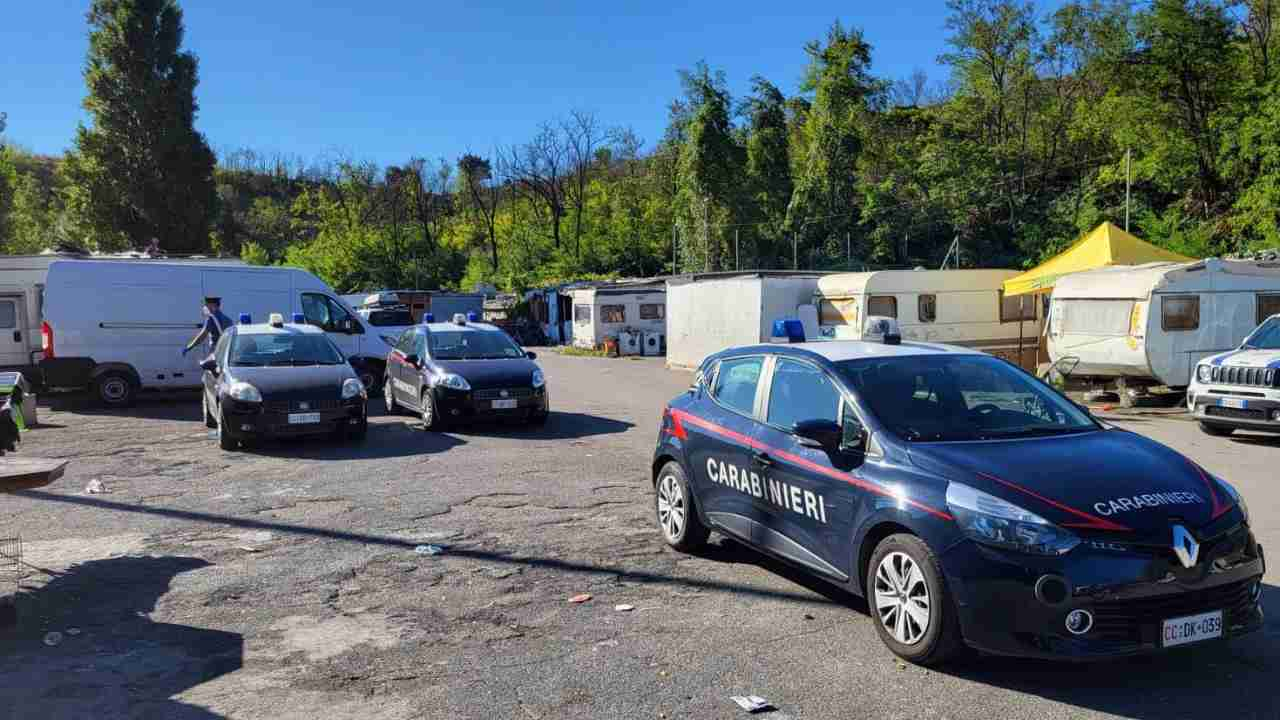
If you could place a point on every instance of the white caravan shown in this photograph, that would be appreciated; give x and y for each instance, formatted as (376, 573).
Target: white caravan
(957, 307)
(1146, 325)
(119, 327)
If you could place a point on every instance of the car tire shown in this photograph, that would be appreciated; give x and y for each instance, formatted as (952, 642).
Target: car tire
(209, 420)
(904, 574)
(427, 412)
(226, 439)
(1216, 430)
(115, 389)
(674, 509)
(393, 407)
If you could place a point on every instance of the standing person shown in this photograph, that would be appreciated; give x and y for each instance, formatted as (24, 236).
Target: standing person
(215, 323)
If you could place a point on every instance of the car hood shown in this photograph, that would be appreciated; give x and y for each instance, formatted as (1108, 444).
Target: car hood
(1246, 358)
(481, 374)
(1105, 480)
(290, 380)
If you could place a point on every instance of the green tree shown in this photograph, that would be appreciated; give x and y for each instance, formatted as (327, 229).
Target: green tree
(768, 168)
(709, 169)
(141, 171)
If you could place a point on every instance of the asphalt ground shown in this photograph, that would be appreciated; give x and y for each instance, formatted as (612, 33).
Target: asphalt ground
(283, 582)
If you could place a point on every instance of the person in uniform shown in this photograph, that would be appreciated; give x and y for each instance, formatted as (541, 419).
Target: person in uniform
(215, 323)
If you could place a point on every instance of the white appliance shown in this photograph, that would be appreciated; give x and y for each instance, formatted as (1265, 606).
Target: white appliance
(628, 342)
(654, 343)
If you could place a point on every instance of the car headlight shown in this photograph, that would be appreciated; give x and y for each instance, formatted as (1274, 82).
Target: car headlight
(538, 379)
(244, 392)
(1235, 495)
(352, 387)
(988, 519)
(452, 381)
(390, 341)
(1204, 373)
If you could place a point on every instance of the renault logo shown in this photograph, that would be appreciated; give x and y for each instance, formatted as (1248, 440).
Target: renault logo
(502, 393)
(304, 406)
(1185, 547)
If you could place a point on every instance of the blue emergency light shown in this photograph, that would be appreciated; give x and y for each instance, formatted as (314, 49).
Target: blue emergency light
(298, 319)
(429, 317)
(788, 330)
(245, 319)
(471, 316)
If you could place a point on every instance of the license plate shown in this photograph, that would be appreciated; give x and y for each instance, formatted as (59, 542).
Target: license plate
(1233, 403)
(1192, 628)
(304, 418)
(504, 404)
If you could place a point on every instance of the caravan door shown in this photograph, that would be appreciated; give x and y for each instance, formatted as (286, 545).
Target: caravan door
(13, 329)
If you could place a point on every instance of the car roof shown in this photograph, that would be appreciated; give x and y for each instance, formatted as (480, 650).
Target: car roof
(454, 327)
(840, 350)
(287, 328)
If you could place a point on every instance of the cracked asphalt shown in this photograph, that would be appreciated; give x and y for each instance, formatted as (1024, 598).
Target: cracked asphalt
(284, 583)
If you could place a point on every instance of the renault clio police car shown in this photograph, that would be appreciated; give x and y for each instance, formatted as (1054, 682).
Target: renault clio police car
(464, 370)
(967, 501)
(277, 379)
(1240, 389)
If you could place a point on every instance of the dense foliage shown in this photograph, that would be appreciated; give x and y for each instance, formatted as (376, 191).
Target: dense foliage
(1026, 145)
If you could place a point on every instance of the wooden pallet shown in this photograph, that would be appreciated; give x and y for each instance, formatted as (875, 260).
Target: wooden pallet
(27, 473)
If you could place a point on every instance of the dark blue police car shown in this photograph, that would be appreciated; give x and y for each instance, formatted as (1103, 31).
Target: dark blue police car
(967, 501)
(464, 370)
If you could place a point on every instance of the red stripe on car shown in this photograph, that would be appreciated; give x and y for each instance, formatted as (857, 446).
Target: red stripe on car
(1092, 522)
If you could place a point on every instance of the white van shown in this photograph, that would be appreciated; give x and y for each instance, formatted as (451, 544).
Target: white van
(956, 307)
(1146, 325)
(120, 327)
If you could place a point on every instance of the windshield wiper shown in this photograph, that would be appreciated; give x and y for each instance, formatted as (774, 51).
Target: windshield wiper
(1036, 431)
(243, 363)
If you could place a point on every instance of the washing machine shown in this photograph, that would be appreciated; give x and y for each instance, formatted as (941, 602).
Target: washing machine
(655, 343)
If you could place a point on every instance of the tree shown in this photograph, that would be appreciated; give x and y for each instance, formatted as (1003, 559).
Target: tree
(142, 171)
(481, 192)
(710, 166)
(768, 167)
(583, 137)
(538, 171)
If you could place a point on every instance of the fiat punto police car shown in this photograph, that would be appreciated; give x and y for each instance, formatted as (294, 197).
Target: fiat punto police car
(967, 501)
(1240, 390)
(280, 379)
(464, 370)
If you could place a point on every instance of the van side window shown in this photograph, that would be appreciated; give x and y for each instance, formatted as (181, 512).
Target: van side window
(883, 305)
(323, 312)
(8, 314)
(736, 383)
(1268, 305)
(1017, 307)
(927, 307)
(1180, 312)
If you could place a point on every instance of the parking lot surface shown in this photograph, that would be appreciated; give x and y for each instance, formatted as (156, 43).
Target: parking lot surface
(291, 581)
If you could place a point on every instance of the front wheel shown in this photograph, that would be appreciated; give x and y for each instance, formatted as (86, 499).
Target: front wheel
(1216, 430)
(677, 517)
(226, 440)
(388, 398)
(910, 604)
(427, 410)
(115, 389)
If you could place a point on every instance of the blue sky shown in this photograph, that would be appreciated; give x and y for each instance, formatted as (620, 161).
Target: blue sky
(386, 79)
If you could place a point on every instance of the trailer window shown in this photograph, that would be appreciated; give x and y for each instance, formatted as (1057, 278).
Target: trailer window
(652, 311)
(613, 314)
(1017, 308)
(927, 308)
(838, 312)
(582, 313)
(883, 306)
(1093, 317)
(1180, 313)
(1268, 305)
(8, 314)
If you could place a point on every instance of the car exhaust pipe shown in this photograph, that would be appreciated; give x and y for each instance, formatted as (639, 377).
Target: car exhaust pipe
(1052, 590)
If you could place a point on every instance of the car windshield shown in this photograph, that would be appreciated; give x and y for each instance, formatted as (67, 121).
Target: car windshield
(283, 349)
(473, 345)
(939, 398)
(390, 318)
(1266, 337)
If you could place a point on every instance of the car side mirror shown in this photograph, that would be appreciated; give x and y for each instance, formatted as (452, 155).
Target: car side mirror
(209, 364)
(822, 434)
(531, 355)
(347, 326)
(413, 360)
(853, 436)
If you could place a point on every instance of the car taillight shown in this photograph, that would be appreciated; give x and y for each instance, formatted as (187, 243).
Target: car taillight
(46, 339)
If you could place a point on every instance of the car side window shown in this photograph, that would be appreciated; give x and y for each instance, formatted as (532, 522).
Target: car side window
(800, 391)
(420, 345)
(736, 383)
(405, 342)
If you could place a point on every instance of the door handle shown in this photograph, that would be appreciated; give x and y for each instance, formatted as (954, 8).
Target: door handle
(17, 336)
(761, 459)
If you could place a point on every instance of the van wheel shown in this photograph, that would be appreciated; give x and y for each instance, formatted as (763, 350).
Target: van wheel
(910, 603)
(1216, 430)
(115, 388)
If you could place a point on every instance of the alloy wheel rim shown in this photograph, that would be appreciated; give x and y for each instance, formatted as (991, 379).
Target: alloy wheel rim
(427, 411)
(902, 598)
(671, 507)
(113, 390)
(386, 395)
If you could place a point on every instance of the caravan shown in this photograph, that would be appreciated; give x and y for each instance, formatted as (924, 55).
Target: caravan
(956, 307)
(1147, 325)
(119, 327)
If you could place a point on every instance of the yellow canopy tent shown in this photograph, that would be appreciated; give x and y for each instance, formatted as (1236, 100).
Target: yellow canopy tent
(1104, 245)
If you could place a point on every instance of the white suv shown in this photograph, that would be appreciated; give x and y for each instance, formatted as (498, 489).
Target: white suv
(1240, 389)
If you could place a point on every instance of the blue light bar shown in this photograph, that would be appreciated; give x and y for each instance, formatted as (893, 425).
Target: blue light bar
(788, 330)
(471, 316)
(298, 318)
(429, 318)
(245, 319)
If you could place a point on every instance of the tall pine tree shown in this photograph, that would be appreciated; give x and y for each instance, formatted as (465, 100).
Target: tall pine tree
(142, 172)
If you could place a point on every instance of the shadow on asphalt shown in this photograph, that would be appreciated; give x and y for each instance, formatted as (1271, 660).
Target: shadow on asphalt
(1263, 440)
(165, 405)
(559, 426)
(120, 663)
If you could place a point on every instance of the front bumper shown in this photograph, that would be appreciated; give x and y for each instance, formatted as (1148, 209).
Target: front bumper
(1130, 593)
(271, 418)
(485, 403)
(1207, 403)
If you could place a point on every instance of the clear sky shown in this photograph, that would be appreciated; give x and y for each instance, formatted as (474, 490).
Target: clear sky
(387, 79)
